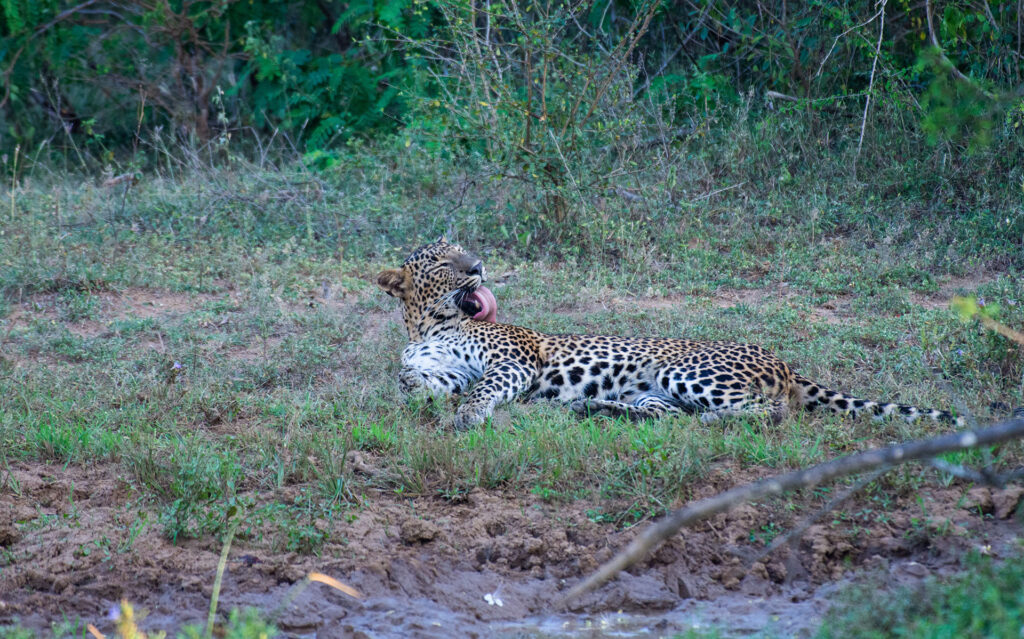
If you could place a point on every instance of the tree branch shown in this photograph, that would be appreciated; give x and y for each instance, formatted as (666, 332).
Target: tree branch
(805, 478)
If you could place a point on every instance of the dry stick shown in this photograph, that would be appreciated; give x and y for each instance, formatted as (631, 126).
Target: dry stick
(871, 83)
(655, 534)
(717, 191)
(1002, 329)
(775, 95)
(218, 579)
(983, 477)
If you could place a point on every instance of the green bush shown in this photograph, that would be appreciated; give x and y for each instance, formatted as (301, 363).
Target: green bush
(96, 82)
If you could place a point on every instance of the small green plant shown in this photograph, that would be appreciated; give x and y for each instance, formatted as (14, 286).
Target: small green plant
(766, 533)
(245, 623)
(78, 305)
(982, 601)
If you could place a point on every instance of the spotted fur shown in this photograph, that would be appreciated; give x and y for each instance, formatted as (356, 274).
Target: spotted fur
(640, 377)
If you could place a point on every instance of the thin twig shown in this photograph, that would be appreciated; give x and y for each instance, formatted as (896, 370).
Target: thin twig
(836, 41)
(717, 191)
(871, 83)
(775, 95)
(985, 476)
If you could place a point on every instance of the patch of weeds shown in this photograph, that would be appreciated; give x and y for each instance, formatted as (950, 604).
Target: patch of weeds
(76, 305)
(753, 442)
(549, 493)
(133, 325)
(69, 629)
(910, 277)
(304, 538)
(101, 546)
(70, 346)
(890, 301)
(64, 437)
(301, 527)
(78, 349)
(374, 436)
(982, 601)
(186, 518)
(136, 528)
(649, 464)
(623, 517)
(198, 481)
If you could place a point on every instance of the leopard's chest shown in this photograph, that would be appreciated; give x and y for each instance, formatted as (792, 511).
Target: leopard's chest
(453, 359)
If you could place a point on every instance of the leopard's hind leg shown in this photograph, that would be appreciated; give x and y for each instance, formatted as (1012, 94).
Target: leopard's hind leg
(643, 407)
(750, 406)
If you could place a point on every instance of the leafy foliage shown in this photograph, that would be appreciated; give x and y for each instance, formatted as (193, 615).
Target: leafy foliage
(94, 76)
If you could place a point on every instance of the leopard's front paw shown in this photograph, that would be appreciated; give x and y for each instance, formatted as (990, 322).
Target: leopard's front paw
(410, 381)
(466, 418)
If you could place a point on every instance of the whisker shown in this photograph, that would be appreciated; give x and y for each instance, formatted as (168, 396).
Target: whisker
(444, 299)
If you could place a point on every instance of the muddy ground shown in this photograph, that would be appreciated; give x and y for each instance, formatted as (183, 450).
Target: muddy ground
(425, 565)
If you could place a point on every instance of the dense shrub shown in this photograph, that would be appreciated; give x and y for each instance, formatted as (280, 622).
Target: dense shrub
(97, 75)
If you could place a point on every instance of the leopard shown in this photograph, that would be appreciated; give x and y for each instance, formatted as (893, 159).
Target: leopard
(458, 349)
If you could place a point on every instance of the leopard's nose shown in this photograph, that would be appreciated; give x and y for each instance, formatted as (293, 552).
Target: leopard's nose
(477, 269)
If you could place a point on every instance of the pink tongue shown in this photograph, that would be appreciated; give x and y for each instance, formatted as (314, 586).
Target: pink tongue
(488, 305)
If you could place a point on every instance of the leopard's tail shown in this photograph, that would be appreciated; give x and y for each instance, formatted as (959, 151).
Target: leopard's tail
(811, 396)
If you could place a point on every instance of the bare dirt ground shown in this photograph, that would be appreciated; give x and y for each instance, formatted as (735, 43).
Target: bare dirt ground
(425, 565)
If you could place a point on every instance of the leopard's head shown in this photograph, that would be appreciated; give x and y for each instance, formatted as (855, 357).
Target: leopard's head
(439, 284)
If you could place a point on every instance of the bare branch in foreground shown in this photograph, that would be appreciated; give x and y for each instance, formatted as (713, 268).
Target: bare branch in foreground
(805, 478)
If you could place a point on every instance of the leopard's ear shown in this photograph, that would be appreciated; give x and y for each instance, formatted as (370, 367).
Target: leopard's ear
(441, 239)
(393, 281)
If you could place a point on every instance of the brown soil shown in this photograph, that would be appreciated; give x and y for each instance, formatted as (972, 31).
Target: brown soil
(425, 565)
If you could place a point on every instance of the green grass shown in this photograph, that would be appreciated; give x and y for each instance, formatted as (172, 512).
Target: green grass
(187, 340)
(984, 600)
(249, 389)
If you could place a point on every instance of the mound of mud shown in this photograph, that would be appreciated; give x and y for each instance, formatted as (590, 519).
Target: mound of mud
(70, 550)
